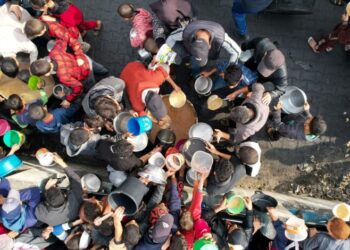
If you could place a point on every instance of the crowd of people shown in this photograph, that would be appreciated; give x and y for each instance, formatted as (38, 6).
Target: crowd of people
(77, 103)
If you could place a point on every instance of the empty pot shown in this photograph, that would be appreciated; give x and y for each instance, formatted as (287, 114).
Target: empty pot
(9, 164)
(120, 122)
(201, 130)
(191, 177)
(166, 138)
(128, 195)
(175, 161)
(203, 85)
(202, 162)
(177, 99)
(191, 146)
(293, 100)
(154, 173)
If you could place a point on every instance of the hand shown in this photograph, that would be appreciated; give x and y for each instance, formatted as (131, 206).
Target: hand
(266, 99)
(177, 88)
(218, 134)
(273, 213)
(231, 97)
(133, 113)
(2, 199)
(278, 106)
(15, 148)
(13, 234)
(203, 176)
(80, 61)
(144, 180)
(48, 18)
(109, 126)
(223, 205)
(248, 203)
(2, 98)
(50, 183)
(312, 231)
(205, 73)
(65, 104)
(345, 18)
(211, 148)
(127, 135)
(15, 9)
(306, 106)
(118, 214)
(256, 224)
(170, 173)
(46, 232)
(156, 149)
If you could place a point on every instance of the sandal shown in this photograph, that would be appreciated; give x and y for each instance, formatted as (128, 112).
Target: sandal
(98, 28)
(313, 44)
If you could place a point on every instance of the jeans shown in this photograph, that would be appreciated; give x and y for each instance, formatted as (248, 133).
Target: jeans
(95, 68)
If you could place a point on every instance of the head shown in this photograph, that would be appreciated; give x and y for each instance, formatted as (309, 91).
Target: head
(131, 234)
(186, 221)
(15, 102)
(39, 4)
(223, 170)
(34, 28)
(162, 228)
(41, 67)
(151, 46)
(123, 149)
(106, 228)
(94, 122)
(79, 136)
(272, 61)
(248, 155)
(338, 229)
(241, 114)
(24, 75)
(107, 107)
(90, 210)
(318, 126)
(157, 212)
(11, 209)
(37, 112)
(9, 66)
(178, 242)
(237, 239)
(126, 11)
(233, 75)
(54, 197)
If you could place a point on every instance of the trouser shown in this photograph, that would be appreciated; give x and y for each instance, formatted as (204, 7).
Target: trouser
(338, 35)
(95, 68)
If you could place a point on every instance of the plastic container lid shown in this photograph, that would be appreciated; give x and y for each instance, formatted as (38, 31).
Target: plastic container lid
(4, 126)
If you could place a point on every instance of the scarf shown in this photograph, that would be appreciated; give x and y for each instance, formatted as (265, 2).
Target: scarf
(17, 224)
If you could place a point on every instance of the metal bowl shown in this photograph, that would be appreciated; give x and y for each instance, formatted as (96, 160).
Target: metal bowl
(191, 146)
(120, 122)
(154, 173)
(201, 130)
(139, 142)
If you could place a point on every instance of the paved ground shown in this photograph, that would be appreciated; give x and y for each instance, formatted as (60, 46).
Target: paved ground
(325, 79)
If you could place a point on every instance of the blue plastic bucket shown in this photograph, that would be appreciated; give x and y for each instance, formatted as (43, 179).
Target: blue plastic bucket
(9, 164)
(139, 125)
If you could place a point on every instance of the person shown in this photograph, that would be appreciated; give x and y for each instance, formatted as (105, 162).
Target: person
(9, 66)
(270, 63)
(110, 87)
(340, 34)
(13, 40)
(203, 40)
(241, 8)
(336, 237)
(250, 117)
(17, 210)
(79, 140)
(58, 207)
(50, 121)
(142, 86)
(299, 127)
(141, 23)
(20, 109)
(68, 14)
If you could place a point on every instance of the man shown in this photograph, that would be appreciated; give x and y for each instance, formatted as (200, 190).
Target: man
(52, 120)
(270, 63)
(203, 40)
(143, 85)
(59, 207)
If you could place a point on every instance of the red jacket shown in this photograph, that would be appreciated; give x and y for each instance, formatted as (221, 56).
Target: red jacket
(68, 71)
(138, 78)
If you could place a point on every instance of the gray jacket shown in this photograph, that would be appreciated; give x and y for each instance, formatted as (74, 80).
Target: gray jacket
(111, 86)
(323, 241)
(69, 210)
(88, 148)
(244, 131)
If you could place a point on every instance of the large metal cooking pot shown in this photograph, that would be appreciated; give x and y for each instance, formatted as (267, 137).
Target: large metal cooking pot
(191, 146)
(262, 201)
(201, 130)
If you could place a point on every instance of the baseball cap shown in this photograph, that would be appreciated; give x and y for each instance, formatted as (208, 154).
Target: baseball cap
(271, 62)
(155, 105)
(162, 228)
(11, 209)
(200, 50)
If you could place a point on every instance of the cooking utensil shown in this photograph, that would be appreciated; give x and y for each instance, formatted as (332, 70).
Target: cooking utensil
(262, 201)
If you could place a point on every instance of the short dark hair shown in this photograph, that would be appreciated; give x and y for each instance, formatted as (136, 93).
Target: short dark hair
(33, 28)
(107, 227)
(94, 121)
(123, 148)
(14, 102)
(40, 67)
(39, 3)
(131, 235)
(178, 242)
(79, 136)
(106, 107)
(91, 210)
(233, 74)
(24, 75)
(318, 125)
(151, 46)
(240, 114)
(54, 197)
(36, 111)
(9, 67)
(126, 10)
(223, 170)
(248, 155)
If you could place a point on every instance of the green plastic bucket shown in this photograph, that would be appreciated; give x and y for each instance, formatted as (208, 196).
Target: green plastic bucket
(13, 137)
(203, 244)
(235, 203)
(33, 82)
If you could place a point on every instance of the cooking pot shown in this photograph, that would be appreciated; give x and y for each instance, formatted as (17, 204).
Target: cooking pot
(154, 173)
(120, 122)
(262, 201)
(201, 130)
(139, 142)
(203, 85)
(191, 146)
(166, 138)
(157, 159)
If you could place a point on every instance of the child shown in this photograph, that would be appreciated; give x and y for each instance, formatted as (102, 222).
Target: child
(141, 23)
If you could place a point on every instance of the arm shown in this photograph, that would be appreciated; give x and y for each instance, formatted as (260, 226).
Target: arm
(196, 205)
(211, 148)
(118, 228)
(173, 84)
(31, 196)
(312, 242)
(232, 48)
(174, 37)
(175, 202)
(232, 96)
(280, 82)
(258, 91)
(251, 44)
